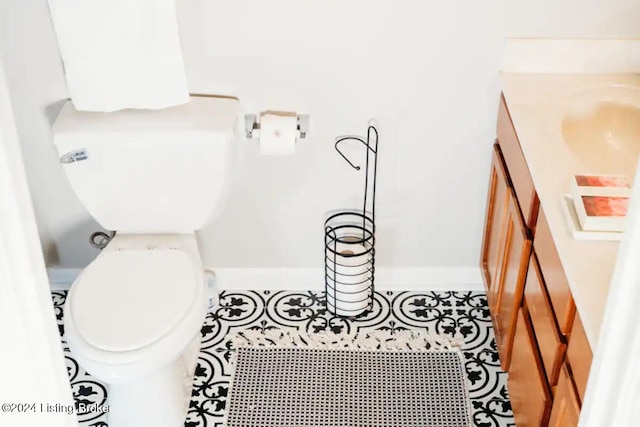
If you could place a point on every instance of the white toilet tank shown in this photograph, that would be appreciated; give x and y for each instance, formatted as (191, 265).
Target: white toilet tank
(150, 171)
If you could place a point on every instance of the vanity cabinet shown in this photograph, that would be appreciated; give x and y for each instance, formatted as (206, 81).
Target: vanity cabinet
(539, 335)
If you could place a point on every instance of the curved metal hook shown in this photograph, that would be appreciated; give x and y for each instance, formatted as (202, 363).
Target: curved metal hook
(347, 138)
(366, 143)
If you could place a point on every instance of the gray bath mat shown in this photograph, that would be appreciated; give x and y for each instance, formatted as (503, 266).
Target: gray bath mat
(290, 379)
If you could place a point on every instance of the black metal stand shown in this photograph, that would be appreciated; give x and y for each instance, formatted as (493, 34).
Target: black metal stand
(350, 242)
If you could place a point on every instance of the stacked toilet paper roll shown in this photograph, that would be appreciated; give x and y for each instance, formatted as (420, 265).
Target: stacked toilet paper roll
(348, 279)
(278, 133)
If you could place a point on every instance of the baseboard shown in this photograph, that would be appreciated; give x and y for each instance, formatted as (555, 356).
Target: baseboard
(387, 278)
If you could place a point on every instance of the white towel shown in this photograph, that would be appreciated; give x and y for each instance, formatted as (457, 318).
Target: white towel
(120, 54)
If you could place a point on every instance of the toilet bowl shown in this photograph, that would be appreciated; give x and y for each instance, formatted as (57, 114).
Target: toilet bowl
(133, 316)
(132, 320)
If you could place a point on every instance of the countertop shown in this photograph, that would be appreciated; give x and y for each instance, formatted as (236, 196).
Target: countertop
(537, 104)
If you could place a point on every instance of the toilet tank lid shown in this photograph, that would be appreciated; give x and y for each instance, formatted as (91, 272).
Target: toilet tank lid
(201, 114)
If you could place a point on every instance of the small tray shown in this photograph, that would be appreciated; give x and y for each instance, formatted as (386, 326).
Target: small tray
(569, 211)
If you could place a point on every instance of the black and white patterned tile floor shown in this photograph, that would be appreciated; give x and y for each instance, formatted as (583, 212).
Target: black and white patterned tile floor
(463, 314)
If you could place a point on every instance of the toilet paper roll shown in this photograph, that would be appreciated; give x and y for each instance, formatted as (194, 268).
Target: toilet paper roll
(342, 298)
(348, 288)
(347, 309)
(278, 133)
(348, 268)
(350, 279)
(348, 298)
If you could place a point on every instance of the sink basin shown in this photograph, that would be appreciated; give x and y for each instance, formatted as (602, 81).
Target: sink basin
(601, 128)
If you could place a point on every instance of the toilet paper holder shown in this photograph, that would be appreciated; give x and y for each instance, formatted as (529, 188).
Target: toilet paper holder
(349, 240)
(251, 124)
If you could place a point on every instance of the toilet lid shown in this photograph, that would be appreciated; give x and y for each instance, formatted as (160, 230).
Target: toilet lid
(128, 299)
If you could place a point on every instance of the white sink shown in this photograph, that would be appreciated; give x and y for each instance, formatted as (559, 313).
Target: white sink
(601, 128)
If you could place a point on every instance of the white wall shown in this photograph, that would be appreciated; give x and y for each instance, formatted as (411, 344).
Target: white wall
(427, 70)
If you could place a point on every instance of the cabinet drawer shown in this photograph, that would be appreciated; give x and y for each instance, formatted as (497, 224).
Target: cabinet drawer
(579, 356)
(528, 389)
(550, 343)
(553, 275)
(566, 408)
(517, 166)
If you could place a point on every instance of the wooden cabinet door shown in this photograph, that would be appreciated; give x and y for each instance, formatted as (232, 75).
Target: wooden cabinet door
(553, 273)
(550, 341)
(528, 391)
(505, 256)
(579, 356)
(566, 409)
(497, 203)
(513, 272)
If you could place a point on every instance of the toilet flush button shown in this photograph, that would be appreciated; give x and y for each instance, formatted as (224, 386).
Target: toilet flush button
(75, 156)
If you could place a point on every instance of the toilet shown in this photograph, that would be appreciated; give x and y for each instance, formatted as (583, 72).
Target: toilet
(133, 316)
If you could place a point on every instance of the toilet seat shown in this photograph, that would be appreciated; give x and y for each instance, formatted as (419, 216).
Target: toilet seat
(108, 299)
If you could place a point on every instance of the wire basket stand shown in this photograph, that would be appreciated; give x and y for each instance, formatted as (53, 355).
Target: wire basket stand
(349, 240)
